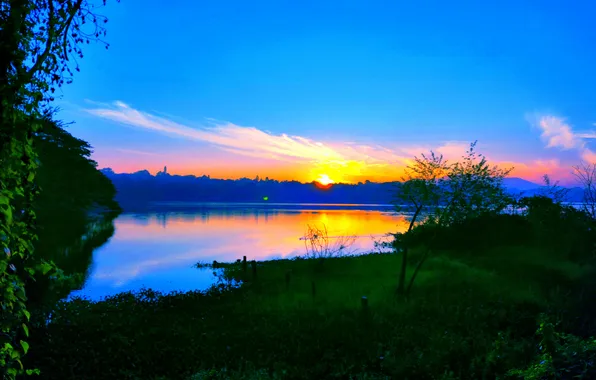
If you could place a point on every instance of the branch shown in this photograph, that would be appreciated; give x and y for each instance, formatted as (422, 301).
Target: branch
(49, 42)
(66, 26)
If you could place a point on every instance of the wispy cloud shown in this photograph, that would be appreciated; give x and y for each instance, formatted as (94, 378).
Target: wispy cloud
(352, 159)
(587, 135)
(242, 140)
(558, 133)
(342, 161)
(139, 152)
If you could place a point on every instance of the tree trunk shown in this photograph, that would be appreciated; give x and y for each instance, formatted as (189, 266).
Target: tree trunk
(416, 270)
(401, 286)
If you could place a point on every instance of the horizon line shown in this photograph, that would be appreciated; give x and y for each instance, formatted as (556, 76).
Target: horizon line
(273, 179)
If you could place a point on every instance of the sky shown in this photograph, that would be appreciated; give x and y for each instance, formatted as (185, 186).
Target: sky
(348, 89)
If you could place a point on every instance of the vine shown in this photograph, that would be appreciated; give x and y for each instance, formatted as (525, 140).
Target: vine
(40, 41)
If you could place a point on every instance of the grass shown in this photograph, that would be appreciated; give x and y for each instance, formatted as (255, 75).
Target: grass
(519, 274)
(462, 303)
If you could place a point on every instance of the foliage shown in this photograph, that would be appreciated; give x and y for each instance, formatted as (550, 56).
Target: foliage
(469, 236)
(37, 39)
(559, 227)
(473, 188)
(74, 211)
(421, 190)
(448, 194)
(274, 325)
(560, 356)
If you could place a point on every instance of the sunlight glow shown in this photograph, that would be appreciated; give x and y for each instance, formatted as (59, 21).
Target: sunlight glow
(324, 180)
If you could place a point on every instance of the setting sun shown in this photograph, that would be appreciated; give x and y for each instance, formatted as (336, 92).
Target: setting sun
(324, 181)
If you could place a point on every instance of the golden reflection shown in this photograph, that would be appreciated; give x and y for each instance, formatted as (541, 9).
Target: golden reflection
(151, 247)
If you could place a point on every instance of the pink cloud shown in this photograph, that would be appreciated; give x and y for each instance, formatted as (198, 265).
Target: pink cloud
(589, 156)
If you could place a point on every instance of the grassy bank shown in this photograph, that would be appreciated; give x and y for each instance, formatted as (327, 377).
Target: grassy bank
(471, 315)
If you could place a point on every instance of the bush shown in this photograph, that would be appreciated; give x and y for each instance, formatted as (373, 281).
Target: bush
(474, 234)
(560, 356)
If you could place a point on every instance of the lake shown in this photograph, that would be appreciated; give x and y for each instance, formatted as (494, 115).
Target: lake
(157, 249)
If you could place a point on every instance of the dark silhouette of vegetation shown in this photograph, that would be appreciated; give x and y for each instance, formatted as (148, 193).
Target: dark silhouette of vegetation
(139, 191)
(490, 276)
(498, 267)
(74, 211)
(586, 175)
(447, 194)
(40, 41)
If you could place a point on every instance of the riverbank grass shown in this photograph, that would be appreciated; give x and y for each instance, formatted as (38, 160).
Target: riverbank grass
(515, 274)
(470, 315)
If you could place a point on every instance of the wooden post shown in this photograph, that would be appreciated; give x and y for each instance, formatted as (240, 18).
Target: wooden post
(364, 303)
(287, 280)
(365, 316)
(244, 264)
(254, 268)
(313, 289)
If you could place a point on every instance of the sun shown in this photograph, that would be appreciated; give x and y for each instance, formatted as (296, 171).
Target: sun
(324, 181)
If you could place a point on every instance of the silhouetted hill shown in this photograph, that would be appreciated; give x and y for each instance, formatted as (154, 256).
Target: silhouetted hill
(141, 188)
(575, 194)
(519, 184)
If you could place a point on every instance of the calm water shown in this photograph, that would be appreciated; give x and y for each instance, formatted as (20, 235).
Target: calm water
(158, 249)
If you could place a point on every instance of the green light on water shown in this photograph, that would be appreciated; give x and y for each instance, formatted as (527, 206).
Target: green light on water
(265, 198)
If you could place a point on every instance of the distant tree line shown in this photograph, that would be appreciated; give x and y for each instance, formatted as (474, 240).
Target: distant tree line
(141, 188)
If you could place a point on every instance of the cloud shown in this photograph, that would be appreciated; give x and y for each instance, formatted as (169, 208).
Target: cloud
(307, 158)
(352, 160)
(589, 156)
(536, 169)
(242, 140)
(587, 135)
(139, 152)
(557, 133)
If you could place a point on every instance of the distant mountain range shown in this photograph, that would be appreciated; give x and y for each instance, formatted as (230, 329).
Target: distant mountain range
(141, 188)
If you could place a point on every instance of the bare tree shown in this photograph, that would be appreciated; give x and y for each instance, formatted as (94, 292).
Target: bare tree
(586, 175)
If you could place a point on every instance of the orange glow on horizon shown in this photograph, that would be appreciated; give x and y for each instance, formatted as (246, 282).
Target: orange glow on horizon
(305, 173)
(325, 180)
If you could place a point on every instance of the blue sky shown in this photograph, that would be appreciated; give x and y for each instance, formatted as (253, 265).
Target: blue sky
(355, 87)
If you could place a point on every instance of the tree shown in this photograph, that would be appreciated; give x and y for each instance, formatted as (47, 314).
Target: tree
(40, 41)
(448, 194)
(74, 212)
(418, 192)
(473, 187)
(586, 175)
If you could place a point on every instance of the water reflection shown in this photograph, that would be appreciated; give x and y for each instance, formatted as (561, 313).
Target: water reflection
(158, 249)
